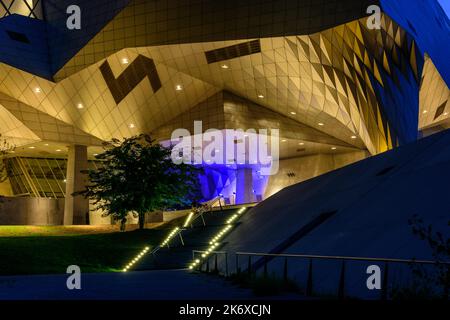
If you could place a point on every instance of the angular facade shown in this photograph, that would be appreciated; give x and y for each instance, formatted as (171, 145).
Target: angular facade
(337, 89)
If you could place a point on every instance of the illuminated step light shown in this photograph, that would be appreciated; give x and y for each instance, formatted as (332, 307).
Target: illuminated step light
(260, 96)
(293, 113)
(37, 90)
(178, 87)
(224, 66)
(320, 124)
(353, 137)
(58, 150)
(131, 125)
(214, 242)
(125, 61)
(136, 259)
(80, 106)
(333, 148)
(169, 237)
(301, 144)
(32, 147)
(186, 223)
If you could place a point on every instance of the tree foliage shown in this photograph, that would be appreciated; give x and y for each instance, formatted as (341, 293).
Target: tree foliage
(138, 175)
(440, 246)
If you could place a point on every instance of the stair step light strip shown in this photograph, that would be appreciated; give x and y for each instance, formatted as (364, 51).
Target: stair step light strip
(214, 243)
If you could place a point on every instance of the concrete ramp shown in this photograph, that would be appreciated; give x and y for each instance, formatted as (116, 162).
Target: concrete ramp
(371, 200)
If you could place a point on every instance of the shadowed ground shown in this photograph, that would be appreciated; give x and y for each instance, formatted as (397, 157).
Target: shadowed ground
(165, 284)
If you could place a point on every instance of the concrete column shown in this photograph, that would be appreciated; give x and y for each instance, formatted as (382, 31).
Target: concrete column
(76, 209)
(244, 186)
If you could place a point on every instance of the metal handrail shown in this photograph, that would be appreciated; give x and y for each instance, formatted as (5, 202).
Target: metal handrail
(215, 253)
(309, 291)
(291, 255)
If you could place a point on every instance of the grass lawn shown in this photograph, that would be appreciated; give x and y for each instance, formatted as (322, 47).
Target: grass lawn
(46, 250)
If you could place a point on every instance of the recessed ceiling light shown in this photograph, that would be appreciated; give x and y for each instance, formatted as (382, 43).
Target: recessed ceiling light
(80, 106)
(58, 150)
(131, 125)
(260, 96)
(37, 90)
(425, 111)
(320, 124)
(125, 61)
(353, 137)
(178, 87)
(224, 66)
(333, 148)
(293, 113)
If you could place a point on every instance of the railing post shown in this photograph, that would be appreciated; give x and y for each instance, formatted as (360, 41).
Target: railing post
(203, 219)
(181, 238)
(384, 288)
(215, 263)
(249, 269)
(341, 289)
(309, 282)
(226, 264)
(265, 268)
(285, 270)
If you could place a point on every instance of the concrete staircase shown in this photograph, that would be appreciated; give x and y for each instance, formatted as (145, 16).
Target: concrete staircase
(196, 236)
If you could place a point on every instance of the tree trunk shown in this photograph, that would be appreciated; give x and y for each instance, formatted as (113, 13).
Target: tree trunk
(141, 220)
(123, 224)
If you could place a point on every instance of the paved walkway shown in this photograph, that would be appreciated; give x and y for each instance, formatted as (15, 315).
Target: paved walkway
(155, 285)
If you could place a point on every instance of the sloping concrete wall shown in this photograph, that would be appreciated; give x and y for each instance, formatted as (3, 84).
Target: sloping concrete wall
(373, 200)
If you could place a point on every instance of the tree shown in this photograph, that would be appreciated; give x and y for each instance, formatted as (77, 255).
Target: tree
(440, 246)
(138, 175)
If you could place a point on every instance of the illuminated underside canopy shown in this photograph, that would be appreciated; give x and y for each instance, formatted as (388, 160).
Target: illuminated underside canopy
(361, 84)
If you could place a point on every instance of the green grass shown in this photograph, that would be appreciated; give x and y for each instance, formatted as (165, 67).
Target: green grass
(105, 252)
